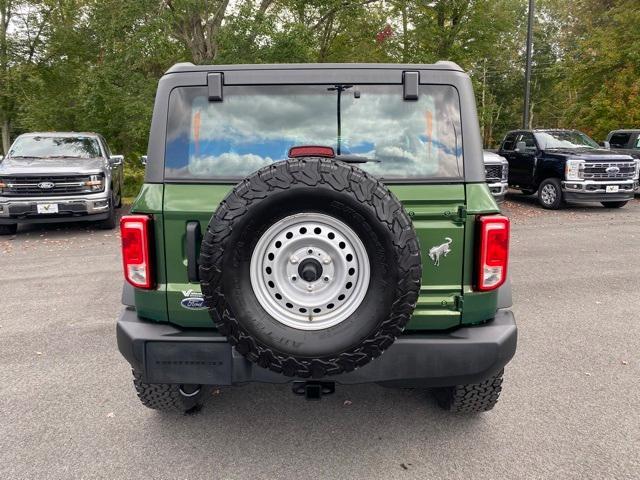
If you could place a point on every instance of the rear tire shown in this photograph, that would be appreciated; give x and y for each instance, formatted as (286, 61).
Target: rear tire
(550, 194)
(168, 397)
(471, 398)
(10, 229)
(614, 204)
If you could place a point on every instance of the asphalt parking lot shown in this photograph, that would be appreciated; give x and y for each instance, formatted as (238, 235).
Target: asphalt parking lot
(569, 408)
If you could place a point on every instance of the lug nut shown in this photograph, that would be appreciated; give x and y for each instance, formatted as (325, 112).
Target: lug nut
(326, 260)
(293, 259)
(326, 279)
(310, 287)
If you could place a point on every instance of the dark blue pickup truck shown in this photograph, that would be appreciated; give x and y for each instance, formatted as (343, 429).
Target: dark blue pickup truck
(568, 166)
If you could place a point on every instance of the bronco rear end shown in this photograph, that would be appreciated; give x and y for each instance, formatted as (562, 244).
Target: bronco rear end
(316, 225)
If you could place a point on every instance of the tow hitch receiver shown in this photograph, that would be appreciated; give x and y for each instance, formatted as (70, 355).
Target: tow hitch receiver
(313, 390)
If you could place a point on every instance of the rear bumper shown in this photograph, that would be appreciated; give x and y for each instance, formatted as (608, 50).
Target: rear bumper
(75, 208)
(163, 353)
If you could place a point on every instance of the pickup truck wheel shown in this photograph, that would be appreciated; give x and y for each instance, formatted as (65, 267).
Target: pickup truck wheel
(550, 194)
(10, 229)
(471, 398)
(614, 204)
(310, 267)
(110, 222)
(168, 397)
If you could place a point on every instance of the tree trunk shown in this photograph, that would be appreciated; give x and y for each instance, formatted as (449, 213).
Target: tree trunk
(5, 15)
(405, 40)
(5, 136)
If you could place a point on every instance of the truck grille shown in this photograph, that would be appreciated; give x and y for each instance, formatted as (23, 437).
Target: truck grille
(598, 171)
(45, 185)
(493, 173)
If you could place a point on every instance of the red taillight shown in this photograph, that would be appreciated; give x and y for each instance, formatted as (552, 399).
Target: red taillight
(136, 260)
(493, 252)
(311, 151)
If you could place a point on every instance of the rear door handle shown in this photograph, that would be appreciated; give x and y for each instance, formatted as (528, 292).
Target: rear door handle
(193, 241)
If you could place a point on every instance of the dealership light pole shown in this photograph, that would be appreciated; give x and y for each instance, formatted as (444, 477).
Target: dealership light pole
(527, 72)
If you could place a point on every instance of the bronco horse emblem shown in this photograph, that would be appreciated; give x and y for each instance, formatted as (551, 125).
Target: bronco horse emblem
(440, 251)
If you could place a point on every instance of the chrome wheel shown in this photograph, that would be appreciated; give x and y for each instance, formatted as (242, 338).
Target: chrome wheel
(548, 194)
(310, 271)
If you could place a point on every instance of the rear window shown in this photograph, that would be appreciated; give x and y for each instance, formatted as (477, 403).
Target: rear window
(256, 125)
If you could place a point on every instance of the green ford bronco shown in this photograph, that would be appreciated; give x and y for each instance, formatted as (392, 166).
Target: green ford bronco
(317, 225)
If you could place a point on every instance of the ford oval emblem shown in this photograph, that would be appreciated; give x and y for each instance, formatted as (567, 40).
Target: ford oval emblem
(613, 170)
(46, 185)
(193, 303)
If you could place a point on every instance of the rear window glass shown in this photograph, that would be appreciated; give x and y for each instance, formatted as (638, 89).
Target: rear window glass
(257, 125)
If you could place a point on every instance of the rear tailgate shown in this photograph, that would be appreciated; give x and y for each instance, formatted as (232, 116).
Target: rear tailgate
(436, 213)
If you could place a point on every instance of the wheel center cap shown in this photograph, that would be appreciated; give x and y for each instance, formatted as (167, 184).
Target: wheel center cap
(310, 270)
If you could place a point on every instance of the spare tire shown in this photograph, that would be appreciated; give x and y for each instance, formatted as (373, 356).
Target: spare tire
(310, 267)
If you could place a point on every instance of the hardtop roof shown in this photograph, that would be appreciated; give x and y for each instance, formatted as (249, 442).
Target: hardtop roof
(626, 130)
(190, 67)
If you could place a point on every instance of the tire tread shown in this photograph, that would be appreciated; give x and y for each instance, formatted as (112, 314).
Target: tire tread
(471, 398)
(166, 397)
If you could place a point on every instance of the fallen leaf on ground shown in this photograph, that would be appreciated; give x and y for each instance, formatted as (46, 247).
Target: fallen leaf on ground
(111, 415)
(347, 402)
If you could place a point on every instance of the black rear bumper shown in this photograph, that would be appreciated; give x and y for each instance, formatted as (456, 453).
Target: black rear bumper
(163, 353)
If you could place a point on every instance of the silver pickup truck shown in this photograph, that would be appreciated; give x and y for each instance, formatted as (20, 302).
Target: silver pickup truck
(59, 177)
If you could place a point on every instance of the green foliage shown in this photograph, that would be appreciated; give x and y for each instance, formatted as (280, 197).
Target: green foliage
(94, 64)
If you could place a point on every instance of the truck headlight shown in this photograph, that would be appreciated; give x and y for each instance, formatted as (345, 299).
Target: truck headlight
(505, 172)
(574, 170)
(95, 183)
(637, 174)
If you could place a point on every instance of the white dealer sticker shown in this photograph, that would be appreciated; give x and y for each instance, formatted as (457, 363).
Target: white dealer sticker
(612, 188)
(47, 208)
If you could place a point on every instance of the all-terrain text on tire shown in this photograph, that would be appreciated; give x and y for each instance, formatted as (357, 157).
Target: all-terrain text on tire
(318, 225)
